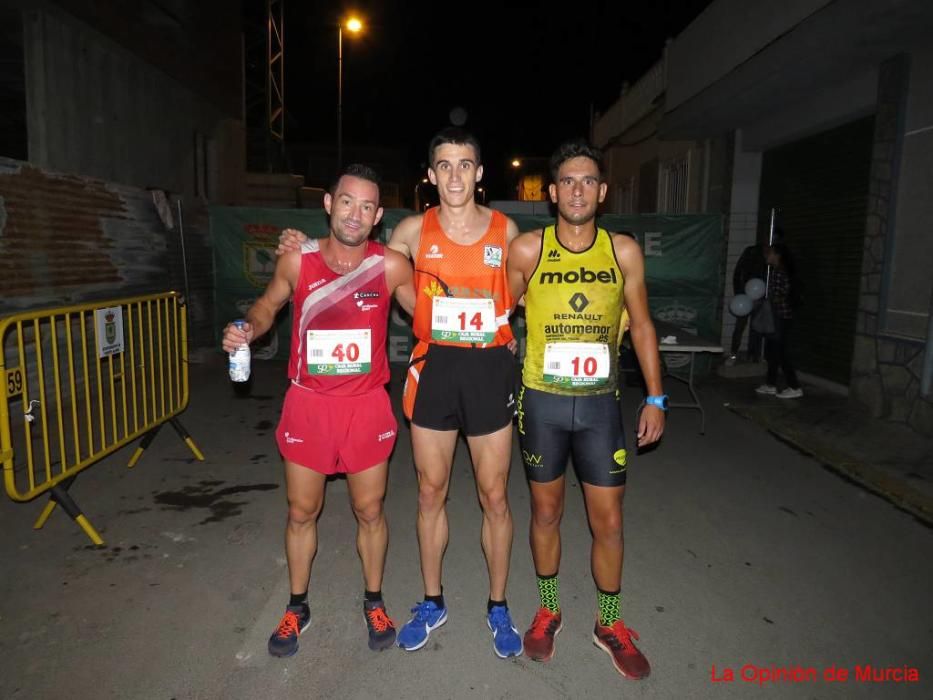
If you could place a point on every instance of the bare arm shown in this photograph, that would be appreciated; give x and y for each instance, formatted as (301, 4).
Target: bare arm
(523, 258)
(399, 280)
(262, 313)
(406, 235)
(644, 338)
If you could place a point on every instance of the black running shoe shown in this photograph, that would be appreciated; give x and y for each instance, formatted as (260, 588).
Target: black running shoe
(381, 628)
(284, 641)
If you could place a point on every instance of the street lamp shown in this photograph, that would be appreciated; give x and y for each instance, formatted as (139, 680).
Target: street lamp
(354, 25)
(516, 163)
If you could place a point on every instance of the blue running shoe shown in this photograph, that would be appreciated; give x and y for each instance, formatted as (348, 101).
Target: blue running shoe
(506, 641)
(427, 618)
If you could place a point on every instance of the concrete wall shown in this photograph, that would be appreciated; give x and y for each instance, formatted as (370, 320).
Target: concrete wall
(825, 109)
(909, 279)
(95, 108)
(742, 224)
(702, 58)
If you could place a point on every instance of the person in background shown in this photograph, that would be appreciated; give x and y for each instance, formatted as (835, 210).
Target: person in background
(783, 292)
(750, 265)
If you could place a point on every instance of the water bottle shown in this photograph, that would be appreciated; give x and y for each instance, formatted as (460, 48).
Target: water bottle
(239, 359)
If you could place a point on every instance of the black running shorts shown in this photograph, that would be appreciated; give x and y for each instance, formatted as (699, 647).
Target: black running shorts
(468, 389)
(553, 428)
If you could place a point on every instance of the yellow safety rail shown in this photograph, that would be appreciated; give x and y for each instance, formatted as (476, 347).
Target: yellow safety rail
(80, 382)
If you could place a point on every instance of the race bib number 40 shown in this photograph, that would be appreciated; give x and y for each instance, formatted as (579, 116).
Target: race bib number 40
(463, 320)
(339, 352)
(576, 364)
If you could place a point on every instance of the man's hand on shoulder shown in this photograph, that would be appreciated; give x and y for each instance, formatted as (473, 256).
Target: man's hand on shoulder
(290, 241)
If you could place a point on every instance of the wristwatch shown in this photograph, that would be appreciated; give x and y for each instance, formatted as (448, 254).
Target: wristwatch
(659, 401)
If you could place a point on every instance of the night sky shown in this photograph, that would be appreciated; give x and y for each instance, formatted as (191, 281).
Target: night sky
(526, 77)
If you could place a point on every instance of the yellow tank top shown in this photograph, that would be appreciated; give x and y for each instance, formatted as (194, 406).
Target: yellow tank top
(573, 307)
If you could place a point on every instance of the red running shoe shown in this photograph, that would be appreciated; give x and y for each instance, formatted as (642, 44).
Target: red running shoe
(616, 641)
(539, 639)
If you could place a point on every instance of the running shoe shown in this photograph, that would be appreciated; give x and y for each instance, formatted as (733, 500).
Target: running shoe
(539, 639)
(381, 628)
(616, 640)
(426, 618)
(506, 641)
(284, 641)
(766, 389)
(789, 393)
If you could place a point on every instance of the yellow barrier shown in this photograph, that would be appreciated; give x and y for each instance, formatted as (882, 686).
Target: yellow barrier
(80, 382)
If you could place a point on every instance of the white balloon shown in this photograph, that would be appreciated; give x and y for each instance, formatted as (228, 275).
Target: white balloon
(740, 305)
(458, 116)
(755, 289)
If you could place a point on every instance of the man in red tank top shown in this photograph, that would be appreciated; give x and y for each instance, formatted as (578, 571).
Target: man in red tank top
(337, 417)
(461, 376)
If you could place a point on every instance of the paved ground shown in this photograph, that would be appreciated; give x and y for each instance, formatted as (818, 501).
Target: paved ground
(741, 551)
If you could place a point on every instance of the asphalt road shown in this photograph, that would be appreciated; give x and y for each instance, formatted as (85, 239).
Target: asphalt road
(741, 554)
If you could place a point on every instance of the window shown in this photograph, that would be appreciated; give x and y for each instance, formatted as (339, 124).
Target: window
(674, 185)
(623, 201)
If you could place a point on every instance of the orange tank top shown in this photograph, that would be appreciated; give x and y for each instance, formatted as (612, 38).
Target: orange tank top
(463, 296)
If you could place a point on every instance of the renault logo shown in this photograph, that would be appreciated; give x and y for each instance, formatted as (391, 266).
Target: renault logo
(578, 302)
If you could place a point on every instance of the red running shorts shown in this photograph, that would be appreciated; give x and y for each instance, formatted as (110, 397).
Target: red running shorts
(336, 434)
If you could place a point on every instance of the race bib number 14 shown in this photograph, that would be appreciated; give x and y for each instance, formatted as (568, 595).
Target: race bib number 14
(463, 320)
(576, 364)
(339, 352)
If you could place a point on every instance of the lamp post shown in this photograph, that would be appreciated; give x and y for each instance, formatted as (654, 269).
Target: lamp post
(353, 25)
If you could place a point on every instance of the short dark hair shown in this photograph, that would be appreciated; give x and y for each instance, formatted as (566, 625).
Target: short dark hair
(454, 135)
(575, 148)
(364, 172)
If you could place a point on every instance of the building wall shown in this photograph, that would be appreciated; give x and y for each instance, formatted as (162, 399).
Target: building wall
(67, 239)
(887, 369)
(626, 155)
(909, 282)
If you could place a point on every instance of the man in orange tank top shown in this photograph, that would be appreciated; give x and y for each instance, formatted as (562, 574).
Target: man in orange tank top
(461, 376)
(332, 423)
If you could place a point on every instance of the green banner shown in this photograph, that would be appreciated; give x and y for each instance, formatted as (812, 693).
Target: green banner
(683, 259)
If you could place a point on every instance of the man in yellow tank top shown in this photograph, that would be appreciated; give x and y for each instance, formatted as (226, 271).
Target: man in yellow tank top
(576, 278)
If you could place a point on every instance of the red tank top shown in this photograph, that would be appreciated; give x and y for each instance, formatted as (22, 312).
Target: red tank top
(477, 271)
(340, 322)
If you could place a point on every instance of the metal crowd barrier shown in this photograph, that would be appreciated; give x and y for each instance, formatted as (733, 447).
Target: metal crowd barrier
(80, 382)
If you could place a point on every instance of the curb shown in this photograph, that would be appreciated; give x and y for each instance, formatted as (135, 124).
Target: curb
(873, 478)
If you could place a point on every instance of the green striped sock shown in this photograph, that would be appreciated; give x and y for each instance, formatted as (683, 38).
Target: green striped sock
(610, 607)
(549, 592)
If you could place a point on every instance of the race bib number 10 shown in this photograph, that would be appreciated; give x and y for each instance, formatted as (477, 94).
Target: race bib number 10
(463, 320)
(339, 352)
(576, 364)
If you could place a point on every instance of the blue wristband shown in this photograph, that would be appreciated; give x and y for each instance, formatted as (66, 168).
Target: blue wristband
(659, 401)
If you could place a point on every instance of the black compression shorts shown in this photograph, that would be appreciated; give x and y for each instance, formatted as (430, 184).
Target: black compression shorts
(552, 428)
